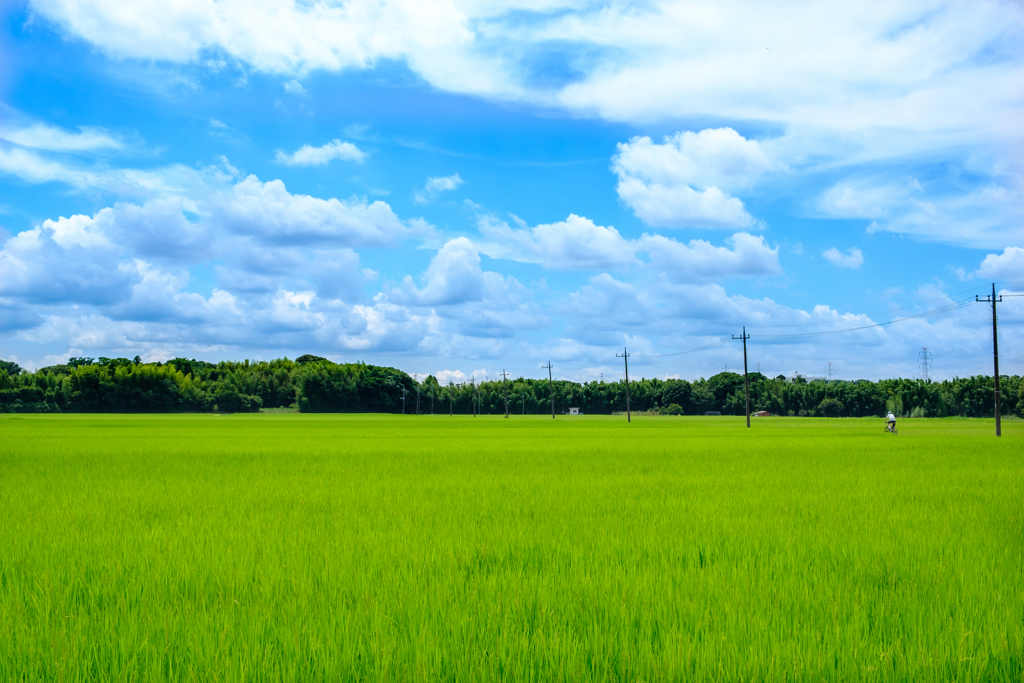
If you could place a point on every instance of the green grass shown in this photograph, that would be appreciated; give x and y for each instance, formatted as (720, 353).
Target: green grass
(304, 547)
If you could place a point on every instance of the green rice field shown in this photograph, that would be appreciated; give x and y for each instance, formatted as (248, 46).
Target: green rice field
(387, 548)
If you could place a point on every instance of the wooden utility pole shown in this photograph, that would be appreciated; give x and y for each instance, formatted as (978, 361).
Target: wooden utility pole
(504, 391)
(551, 386)
(995, 350)
(746, 379)
(625, 358)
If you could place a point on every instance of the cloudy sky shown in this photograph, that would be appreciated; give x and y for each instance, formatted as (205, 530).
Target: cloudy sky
(457, 188)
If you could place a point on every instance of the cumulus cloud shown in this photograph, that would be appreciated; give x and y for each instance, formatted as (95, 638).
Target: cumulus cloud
(853, 258)
(1008, 266)
(319, 156)
(464, 298)
(69, 260)
(577, 243)
(680, 183)
(700, 261)
(268, 211)
(132, 260)
(454, 276)
(437, 185)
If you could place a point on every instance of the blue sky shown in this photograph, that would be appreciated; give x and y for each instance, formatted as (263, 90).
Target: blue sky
(459, 188)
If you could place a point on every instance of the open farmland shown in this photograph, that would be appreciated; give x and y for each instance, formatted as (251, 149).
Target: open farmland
(354, 547)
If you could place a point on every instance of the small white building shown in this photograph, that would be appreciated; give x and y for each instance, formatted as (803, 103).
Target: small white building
(574, 411)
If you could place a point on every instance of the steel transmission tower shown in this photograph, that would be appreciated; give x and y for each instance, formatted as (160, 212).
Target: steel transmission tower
(924, 363)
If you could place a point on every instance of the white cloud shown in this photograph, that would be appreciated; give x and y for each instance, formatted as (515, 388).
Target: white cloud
(853, 258)
(318, 156)
(295, 88)
(575, 243)
(1008, 266)
(454, 276)
(53, 139)
(700, 261)
(445, 377)
(436, 185)
(864, 75)
(32, 167)
(268, 211)
(871, 82)
(987, 217)
(464, 299)
(67, 260)
(718, 157)
(680, 183)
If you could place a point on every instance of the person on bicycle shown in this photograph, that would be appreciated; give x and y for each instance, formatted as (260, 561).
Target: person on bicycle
(890, 421)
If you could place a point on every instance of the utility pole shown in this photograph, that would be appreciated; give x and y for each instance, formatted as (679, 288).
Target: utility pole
(551, 386)
(625, 359)
(995, 349)
(403, 400)
(924, 361)
(758, 369)
(504, 392)
(746, 379)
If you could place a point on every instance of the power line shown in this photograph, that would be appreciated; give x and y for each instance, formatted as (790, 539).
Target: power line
(923, 314)
(891, 310)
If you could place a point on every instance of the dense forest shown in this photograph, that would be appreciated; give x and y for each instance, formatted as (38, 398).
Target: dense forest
(317, 385)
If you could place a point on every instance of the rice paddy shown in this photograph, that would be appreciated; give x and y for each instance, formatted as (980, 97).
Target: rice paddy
(380, 547)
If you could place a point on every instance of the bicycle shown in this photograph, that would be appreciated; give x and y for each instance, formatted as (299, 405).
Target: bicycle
(890, 428)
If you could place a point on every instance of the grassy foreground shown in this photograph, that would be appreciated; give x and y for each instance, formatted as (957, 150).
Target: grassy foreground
(329, 547)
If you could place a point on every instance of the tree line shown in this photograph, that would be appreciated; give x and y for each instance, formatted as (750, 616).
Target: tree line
(316, 385)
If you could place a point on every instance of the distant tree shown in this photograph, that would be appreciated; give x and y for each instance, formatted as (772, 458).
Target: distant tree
(310, 358)
(830, 407)
(702, 398)
(10, 367)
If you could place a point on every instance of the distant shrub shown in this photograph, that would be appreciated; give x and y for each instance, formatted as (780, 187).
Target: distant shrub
(830, 407)
(671, 409)
(230, 401)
